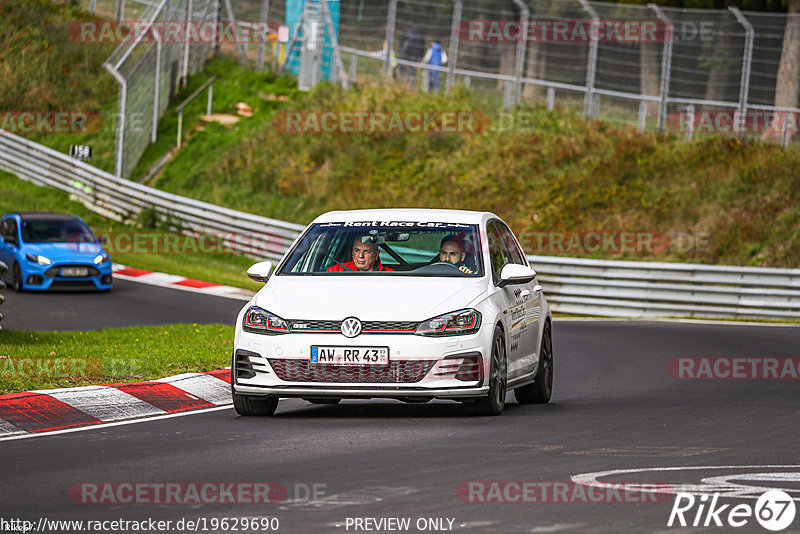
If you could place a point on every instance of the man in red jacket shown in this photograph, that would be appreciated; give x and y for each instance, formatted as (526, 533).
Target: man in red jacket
(366, 257)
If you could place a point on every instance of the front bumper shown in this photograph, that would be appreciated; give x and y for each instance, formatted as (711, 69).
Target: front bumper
(37, 277)
(419, 367)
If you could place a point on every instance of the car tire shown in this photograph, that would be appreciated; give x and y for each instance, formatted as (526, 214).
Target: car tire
(495, 401)
(541, 389)
(16, 282)
(249, 405)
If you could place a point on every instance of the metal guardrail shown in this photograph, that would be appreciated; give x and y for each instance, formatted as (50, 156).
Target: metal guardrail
(3, 270)
(650, 289)
(572, 285)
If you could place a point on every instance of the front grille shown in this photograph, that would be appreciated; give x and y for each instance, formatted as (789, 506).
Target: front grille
(368, 327)
(399, 372)
(56, 270)
(390, 326)
(298, 325)
(73, 284)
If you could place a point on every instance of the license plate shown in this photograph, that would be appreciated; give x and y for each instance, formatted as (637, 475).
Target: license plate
(74, 271)
(349, 355)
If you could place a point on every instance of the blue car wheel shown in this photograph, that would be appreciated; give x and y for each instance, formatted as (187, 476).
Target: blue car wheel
(16, 282)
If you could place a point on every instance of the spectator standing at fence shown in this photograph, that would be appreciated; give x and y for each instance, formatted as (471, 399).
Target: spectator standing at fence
(412, 48)
(437, 57)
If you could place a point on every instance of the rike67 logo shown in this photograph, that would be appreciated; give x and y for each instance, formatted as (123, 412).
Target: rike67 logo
(774, 510)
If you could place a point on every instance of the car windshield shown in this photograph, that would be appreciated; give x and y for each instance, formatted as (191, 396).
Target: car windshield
(387, 248)
(56, 231)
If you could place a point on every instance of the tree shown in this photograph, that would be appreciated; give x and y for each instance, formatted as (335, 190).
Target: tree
(787, 85)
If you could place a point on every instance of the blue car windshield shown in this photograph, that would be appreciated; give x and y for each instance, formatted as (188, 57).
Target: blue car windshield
(55, 231)
(387, 248)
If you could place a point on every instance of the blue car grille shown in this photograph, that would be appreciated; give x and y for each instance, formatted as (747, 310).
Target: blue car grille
(55, 271)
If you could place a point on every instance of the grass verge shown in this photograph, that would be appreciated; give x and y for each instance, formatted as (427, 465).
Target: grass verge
(43, 360)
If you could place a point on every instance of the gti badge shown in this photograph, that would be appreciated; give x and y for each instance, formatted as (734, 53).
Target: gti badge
(351, 327)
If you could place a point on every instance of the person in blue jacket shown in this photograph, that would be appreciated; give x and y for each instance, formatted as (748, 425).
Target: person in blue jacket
(437, 57)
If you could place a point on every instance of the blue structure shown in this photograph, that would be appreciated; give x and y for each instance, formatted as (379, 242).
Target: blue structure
(294, 9)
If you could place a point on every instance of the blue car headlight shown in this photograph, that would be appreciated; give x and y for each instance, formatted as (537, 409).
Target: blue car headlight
(102, 258)
(41, 260)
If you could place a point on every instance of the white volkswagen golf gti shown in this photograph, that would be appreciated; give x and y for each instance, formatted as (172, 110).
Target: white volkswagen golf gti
(407, 304)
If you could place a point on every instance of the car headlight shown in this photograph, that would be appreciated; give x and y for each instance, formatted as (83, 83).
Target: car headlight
(451, 324)
(41, 260)
(102, 258)
(261, 321)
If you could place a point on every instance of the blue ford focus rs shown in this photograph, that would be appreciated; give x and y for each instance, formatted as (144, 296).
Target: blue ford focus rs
(49, 250)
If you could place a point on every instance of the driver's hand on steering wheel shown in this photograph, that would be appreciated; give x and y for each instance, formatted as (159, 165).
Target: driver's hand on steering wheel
(465, 269)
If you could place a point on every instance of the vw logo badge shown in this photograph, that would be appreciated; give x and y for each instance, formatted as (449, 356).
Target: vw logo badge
(351, 327)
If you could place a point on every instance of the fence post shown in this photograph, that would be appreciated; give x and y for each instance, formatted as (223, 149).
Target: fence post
(262, 42)
(591, 65)
(522, 46)
(156, 85)
(210, 98)
(689, 122)
(391, 20)
(666, 67)
(240, 47)
(353, 66)
(120, 10)
(551, 98)
(787, 120)
(744, 87)
(180, 128)
(93, 7)
(642, 115)
(337, 66)
(119, 149)
(453, 55)
(185, 70)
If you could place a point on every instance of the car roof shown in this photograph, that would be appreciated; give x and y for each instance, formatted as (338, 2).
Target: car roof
(406, 214)
(42, 216)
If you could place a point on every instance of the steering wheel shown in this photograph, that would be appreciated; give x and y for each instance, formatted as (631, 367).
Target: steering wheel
(453, 265)
(441, 267)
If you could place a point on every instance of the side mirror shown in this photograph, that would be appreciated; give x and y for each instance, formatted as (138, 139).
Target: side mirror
(515, 274)
(260, 271)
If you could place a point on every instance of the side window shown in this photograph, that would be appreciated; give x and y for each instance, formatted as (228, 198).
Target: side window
(512, 246)
(498, 253)
(9, 229)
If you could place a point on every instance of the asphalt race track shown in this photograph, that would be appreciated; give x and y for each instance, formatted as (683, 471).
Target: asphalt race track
(128, 304)
(615, 407)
